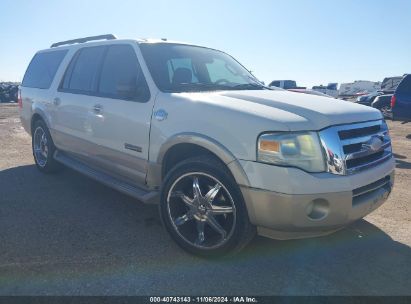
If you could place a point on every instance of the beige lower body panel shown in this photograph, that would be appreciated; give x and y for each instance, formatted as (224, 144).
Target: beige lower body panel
(287, 216)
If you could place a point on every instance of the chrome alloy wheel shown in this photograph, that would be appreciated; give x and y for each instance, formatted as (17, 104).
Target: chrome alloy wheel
(40, 147)
(201, 210)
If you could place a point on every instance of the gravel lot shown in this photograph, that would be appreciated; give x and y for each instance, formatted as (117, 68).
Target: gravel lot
(65, 234)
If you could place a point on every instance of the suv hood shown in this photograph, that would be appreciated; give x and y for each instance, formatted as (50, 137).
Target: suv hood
(296, 110)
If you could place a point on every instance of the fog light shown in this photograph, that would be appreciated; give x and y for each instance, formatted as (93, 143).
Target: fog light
(318, 209)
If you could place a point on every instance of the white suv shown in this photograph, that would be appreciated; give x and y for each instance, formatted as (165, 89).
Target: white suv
(191, 129)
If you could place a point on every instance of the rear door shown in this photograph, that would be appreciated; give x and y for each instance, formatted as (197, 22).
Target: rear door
(74, 100)
(402, 108)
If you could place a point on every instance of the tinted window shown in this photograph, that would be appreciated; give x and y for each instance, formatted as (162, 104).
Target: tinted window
(82, 73)
(390, 84)
(405, 85)
(42, 69)
(289, 84)
(121, 76)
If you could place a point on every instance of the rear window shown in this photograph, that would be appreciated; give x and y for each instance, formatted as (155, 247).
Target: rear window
(42, 69)
(405, 85)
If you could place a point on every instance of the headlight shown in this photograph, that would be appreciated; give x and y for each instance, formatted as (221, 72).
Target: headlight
(300, 149)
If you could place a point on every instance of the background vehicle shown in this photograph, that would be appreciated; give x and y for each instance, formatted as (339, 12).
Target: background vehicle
(191, 129)
(368, 99)
(383, 103)
(330, 89)
(401, 100)
(285, 84)
(390, 84)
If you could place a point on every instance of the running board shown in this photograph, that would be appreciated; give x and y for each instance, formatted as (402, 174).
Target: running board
(146, 196)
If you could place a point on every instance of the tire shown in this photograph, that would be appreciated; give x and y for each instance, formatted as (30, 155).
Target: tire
(43, 148)
(209, 222)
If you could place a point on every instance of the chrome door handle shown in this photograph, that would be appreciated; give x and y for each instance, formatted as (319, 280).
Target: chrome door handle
(56, 101)
(98, 109)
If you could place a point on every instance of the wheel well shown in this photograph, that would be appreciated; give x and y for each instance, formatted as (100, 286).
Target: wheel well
(181, 152)
(36, 117)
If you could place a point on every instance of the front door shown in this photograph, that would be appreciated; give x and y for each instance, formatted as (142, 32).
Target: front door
(122, 113)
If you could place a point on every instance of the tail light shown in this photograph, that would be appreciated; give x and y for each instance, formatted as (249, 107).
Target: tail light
(19, 100)
(393, 101)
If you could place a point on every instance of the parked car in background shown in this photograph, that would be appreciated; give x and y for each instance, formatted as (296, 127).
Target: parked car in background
(401, 100)
(368, 99)
(285, 84)
(383, 103)
(380, 97)
(390, 84)
(329, 90)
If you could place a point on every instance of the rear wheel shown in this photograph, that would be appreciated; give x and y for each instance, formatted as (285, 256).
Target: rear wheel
(203, 209)
(43, 148)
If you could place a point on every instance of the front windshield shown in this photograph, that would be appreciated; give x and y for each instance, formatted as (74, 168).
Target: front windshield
(185, 68)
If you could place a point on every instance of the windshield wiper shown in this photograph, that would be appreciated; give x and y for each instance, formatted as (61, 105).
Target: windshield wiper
(249, 86)
(198, 86)
(204, 86)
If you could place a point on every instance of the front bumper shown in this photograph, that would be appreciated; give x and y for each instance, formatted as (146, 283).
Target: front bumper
(317, 212)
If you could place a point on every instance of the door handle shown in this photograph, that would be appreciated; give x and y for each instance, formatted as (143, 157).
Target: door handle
(98, 109)
(56, 101)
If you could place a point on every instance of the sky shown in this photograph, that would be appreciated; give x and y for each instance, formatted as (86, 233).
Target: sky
(311, 41)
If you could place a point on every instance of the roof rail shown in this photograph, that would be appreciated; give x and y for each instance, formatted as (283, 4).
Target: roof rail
(85, 39)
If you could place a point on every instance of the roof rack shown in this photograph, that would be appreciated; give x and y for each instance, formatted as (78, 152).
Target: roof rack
(85, 39)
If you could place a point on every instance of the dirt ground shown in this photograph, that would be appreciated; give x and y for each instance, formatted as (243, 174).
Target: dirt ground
(66, 234)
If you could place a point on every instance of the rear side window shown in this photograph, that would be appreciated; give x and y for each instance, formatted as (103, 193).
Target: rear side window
(42, 69)
(405, 85)
(121, 75)
(82, 73)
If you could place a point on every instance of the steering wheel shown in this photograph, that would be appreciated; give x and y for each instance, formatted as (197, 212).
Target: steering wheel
(222, 81)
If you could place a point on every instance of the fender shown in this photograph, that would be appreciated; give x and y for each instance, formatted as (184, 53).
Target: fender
(209, 144)
(38, 109)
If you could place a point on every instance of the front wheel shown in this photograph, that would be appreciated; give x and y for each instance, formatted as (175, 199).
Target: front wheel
(203, 209)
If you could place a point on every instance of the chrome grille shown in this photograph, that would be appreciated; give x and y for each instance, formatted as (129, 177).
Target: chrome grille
(356, 147)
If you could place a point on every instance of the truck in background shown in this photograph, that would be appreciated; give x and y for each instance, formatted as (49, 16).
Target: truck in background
(330, 89)
(285, 84)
